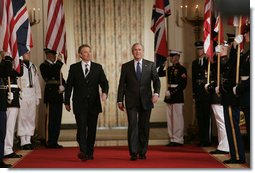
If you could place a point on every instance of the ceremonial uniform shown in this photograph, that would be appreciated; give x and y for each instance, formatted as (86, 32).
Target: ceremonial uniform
(30, 94)
(202, 100)
(5, 70)
(177, 81)
(231, 110)
(50, 72)
(217, 108)
(12, 113)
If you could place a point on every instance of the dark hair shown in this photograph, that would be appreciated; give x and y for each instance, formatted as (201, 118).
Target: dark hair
(82, 46)
(137, 44)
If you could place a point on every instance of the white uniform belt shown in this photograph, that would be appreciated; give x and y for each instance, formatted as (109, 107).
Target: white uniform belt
(173, 85)
(14, 86)
(244, 77)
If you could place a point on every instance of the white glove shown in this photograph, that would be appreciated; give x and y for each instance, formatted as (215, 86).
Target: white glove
(206, 86)
(167, 94)
(10, 96)
(21, 58)
(218, 49)
(61, 89)
(239, 39)
(234, 90)
(217, 90)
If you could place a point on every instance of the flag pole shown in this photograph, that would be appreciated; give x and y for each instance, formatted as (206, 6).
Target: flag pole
(218, 60)
(9, 88)
(238, 52)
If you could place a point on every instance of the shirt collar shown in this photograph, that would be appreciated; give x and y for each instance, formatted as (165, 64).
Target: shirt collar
(84, 63)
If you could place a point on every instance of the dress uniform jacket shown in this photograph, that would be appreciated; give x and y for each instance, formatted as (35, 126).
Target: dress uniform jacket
(177, 81)
(51, 75)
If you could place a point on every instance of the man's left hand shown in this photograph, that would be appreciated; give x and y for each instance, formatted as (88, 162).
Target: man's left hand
(104, 96)
(155, 98)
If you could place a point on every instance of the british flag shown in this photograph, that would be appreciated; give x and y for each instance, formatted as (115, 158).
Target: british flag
(161, 9)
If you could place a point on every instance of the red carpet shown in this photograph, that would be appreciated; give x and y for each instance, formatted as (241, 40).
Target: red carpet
(118, 157)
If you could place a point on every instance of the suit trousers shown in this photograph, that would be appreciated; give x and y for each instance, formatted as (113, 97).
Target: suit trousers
(221, 129)
(2, 133)
(175, 122)
(12, 114)
(54, 122)
(86, 131)
(138, 130)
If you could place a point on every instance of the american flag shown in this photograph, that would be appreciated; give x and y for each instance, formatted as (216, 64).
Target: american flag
(56, 33)
(161, 9)
(219, 29)
(16, 38)
(208, 42)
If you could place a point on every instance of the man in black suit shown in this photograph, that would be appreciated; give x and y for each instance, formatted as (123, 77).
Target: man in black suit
(135, 86)
(201, 96)
(53, 96)
(84, 79)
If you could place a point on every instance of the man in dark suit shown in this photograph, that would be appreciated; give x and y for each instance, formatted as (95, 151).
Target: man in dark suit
(135, 86)
(201, 97)
(84, 79)
(53, 96)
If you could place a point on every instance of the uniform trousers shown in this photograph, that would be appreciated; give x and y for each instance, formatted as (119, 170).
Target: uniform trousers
(235, 140)
(138, 130)
(2, 133)
(221, 129)
(175, 122)
(12, 114)
(26, 120)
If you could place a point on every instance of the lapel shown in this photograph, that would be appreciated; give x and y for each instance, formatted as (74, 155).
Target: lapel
(132, 67)
(144, 69)
(81, 70)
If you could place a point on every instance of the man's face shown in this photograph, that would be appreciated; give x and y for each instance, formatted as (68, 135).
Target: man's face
(26, 56)
(138, 52)
(51, 57)
(200, 52)
(174, 59)
(85, 54)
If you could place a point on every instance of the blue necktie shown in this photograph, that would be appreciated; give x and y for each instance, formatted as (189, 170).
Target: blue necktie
(138, 71)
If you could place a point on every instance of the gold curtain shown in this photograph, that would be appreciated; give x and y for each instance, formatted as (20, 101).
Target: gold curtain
(110, 27)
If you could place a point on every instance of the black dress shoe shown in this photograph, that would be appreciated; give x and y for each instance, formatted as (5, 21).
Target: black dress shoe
(142, 156)
(13, 155)
(218, 152)
(133, 157)
(90, 157)
(233, 161)
(4, 165)
(174, 144)
(82, 156)
(27, 147)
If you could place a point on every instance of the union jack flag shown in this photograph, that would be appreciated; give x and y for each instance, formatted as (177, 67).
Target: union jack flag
(56, 33)
(161, 9)
(16, 37)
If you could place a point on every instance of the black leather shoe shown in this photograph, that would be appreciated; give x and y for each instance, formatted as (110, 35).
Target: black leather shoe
(13, 155)
(133, 157)
(27, 147)
(232, 161)
(82, 156)
(142, 156)
(218, 152)
(4, 165)
(89, 157)
(174, 144)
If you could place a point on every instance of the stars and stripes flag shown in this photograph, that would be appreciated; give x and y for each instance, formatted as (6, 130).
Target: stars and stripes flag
(56, 33)
(218, 28)
(161, 9)
(16, 37)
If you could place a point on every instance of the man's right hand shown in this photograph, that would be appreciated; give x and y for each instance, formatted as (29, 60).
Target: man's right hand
(10, 96)
(121, 106)
(68, 108)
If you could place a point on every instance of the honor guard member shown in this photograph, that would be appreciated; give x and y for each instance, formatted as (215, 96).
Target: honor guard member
(174, 98)
(30, 94)
(13, 106)
(201, 97)
(53, 96)
(5, 71)
(242, 90)
(217, 109)
(230, 105)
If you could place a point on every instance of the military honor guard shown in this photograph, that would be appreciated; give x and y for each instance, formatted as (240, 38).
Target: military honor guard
(174, 98)
(5, 71)
(30, 97)
(201, 96)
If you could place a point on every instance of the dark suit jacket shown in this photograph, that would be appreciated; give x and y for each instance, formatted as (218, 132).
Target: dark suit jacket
(50, 73)
(136, 91)
(85, 90)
